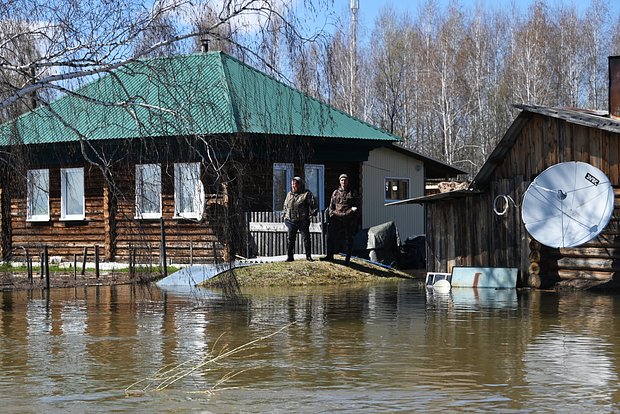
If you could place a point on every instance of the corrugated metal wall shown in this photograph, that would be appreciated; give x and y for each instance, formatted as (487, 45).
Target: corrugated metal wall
(384, 163)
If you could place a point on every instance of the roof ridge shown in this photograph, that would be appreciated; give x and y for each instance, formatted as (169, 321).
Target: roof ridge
(226, 81)
(306, 95)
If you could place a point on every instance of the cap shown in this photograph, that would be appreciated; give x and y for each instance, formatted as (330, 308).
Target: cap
(343, 176)
(298, 179)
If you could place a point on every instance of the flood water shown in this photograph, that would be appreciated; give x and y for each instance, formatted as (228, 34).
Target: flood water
(366, 348)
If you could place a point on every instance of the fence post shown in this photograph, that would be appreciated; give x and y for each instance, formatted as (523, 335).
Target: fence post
(74, 266)
(324, 231)
(84, 262)
(248, 217)
(97, 261)
(162, 256)
(28, 266)
(41, 261)
(130, 260)
(47, 267)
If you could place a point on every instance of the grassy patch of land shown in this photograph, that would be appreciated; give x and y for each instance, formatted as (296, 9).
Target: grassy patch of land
(304, 273)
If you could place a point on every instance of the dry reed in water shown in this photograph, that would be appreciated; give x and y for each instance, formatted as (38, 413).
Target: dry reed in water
(171, 374)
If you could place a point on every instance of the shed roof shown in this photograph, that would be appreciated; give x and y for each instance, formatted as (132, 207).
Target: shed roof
(588, 118)
(207, 93)
(591, 119)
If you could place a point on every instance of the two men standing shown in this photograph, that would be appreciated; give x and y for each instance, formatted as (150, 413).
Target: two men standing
(342, 215)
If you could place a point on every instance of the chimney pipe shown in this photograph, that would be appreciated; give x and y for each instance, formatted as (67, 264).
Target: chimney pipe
(204, 44)
(614, 86)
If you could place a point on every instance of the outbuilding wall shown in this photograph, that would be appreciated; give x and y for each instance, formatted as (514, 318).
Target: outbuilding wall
(386, 163)
(467, 231)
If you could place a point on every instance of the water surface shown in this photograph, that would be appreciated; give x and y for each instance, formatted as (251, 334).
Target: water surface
(365, 348)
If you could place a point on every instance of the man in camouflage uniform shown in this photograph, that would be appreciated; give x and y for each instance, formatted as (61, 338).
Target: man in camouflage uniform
(342, 218)
(299, 205)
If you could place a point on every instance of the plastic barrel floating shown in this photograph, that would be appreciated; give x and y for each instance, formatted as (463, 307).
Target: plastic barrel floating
(568, 204)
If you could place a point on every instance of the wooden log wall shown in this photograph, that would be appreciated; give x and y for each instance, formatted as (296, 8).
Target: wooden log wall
(63, 238)
(110, 223)
(198, 241)
(594, 262)
(110, 219)
(466, 232)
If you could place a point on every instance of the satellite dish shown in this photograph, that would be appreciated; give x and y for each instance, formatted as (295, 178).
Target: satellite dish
(568, 204)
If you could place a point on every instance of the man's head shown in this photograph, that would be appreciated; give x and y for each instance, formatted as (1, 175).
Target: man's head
(297, 184)
(344, 181)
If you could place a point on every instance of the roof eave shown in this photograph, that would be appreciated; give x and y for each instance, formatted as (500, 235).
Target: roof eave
(450, 195)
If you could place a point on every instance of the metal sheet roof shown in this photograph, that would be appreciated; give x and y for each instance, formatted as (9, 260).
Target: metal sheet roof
(208, 93)
(592, 119)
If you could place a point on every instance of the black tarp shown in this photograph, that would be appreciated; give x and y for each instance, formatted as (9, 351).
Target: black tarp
(380, 243)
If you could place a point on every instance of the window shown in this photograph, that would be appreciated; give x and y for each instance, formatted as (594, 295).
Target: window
(38, 199)
(72, 194)
(282, 176)
(188, 191)
(148, 191)
(396, 189)
(315, 182)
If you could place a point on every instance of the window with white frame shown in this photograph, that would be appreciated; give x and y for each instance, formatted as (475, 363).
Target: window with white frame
(315, 182)
(396, 189)
(188, 191)
(148, 191)
(72, 205)
(38, 197)
(282, 176)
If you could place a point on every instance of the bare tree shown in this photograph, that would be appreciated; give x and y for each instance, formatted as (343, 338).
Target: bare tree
(161, 31)
(597, 44)
(19, 47)
(77, 40)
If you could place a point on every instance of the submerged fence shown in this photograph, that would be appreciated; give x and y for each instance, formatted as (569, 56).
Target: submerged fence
(266, 235)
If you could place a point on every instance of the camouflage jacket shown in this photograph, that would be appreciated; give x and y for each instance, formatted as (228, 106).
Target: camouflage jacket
(342, 202)
(299, 206)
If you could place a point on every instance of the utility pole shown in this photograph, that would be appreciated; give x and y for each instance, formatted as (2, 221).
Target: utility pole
(355, 5)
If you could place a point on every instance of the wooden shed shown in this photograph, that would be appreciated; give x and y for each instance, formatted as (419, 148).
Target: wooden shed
(482, 226)
(168, 152)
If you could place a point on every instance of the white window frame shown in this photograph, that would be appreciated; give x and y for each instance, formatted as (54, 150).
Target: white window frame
(288, 170)
(64, 195)
(148, 171)
(38, 187)
(385, 183)
(318, 193)
(187, 178)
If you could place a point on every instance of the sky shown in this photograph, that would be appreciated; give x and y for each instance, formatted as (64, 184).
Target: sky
(370, 9)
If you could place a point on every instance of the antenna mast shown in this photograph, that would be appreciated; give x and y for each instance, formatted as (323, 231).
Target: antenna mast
(355, 5)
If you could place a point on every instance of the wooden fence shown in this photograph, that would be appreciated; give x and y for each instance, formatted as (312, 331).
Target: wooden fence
(267, 235)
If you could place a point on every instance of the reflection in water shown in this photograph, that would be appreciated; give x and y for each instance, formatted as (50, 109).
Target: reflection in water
(567, 365)
(368, 348)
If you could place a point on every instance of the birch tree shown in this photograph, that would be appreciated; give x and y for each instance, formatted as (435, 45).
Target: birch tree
(596, 40)
(75, 41)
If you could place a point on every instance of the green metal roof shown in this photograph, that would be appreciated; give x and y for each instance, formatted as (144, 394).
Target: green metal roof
(207, 93)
